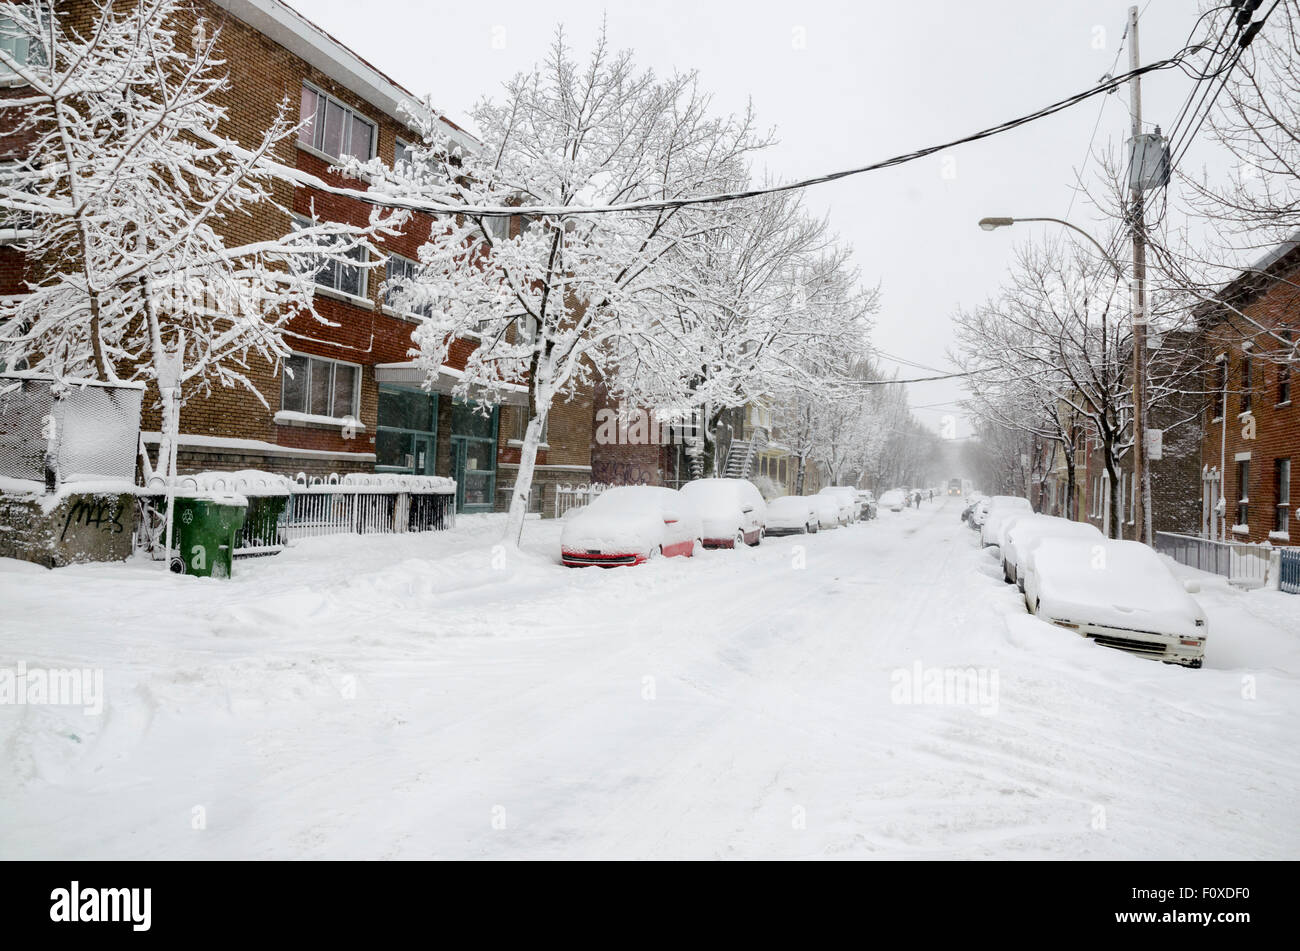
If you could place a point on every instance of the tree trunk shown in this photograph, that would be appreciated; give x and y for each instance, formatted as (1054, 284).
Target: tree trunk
(524, 480)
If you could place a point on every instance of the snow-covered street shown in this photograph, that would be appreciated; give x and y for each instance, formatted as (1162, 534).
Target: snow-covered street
(436, 695)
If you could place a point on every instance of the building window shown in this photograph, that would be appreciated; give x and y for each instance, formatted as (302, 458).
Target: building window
(1284, 372)
(399, 274)
(521, 425)
(1243, 492)
(498, 228)
(25, 48)
(782, 476)
(345, 278)
(1282, 492)
(1218, 383)
(331, 127)
(405, 163)
(320, 387)
(1245, 384)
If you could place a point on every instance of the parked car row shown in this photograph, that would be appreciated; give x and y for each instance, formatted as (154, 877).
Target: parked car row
(1119, 594)
(630, 525)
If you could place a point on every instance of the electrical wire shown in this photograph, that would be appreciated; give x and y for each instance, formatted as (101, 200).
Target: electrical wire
(440, 208)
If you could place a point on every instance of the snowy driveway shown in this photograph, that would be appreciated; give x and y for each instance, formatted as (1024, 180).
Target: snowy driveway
(433, 695)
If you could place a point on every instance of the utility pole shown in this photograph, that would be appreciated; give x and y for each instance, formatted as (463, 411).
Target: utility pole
(1141, 478)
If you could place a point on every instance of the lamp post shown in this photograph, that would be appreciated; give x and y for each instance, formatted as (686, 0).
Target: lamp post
(992, 224)
(1140, 475)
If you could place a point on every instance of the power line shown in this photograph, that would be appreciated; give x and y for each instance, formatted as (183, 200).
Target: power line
(502, 211)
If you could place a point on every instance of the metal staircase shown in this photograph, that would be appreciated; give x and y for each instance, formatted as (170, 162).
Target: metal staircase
(742, 453)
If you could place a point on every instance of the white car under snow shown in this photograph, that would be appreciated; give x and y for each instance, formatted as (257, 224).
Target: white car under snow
(1119, 594)
(1026, 532)
(732, 511)
(847, 498)
(1001, 508)
(894, 500)
(828, 511)
(792, 515)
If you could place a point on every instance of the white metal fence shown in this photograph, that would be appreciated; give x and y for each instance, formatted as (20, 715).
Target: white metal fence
(569, 497)
(282, 511)
(1243, 564)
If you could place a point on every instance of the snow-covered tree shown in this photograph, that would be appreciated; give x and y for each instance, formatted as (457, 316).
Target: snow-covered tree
(1054, 347)
(121, 197)
(764, 305)
(551, 303)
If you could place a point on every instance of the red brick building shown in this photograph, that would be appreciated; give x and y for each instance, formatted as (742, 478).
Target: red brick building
(354, 401)
(1252, 428)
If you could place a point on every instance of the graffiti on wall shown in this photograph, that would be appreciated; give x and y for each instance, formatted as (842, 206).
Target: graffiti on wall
(623, 473)
(105, 516)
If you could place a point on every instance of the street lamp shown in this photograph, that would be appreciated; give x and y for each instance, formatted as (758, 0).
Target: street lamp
(1140, 476)
(992, 224)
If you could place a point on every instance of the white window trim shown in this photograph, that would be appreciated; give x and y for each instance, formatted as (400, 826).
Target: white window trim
(326, 420)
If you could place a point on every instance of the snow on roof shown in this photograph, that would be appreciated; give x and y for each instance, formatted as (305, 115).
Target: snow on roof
(286, 26)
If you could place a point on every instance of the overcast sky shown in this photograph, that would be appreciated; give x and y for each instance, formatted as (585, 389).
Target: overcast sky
(844, 84)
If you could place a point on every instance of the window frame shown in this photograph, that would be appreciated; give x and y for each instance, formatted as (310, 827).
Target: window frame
(1246, 370)
(414, 265)
(1218, 402)
(362, 268)
(1282, 495)
(1243, 492)
(317, 126)
(1284, 374)
(355, 409)
(30, 43)
(521, 428)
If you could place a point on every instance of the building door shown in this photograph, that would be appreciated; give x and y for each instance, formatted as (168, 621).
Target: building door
(406, 433)
(474, 456)
(474, 468)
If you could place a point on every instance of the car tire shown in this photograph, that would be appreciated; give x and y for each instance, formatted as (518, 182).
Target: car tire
(739, 542)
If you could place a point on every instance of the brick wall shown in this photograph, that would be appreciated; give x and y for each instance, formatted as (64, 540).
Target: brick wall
(1274, 307)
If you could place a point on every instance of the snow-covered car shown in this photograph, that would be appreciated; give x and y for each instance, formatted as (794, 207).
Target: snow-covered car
(828, 511)
(732, 511)
(792, 515)
(969, 510)
(867, 504)
(847, 499)
(1001, 509)
(1119, 594)
(630, 525)
(1028, 531)
(894, 500)
(979, 514)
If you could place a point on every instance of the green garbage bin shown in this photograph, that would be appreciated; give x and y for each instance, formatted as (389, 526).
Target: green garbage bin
(206, 533)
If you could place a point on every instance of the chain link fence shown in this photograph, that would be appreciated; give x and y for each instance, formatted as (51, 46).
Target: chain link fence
(68, 431)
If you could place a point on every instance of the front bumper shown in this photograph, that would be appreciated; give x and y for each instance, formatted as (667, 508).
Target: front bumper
(1168, 648)
(600, 559)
